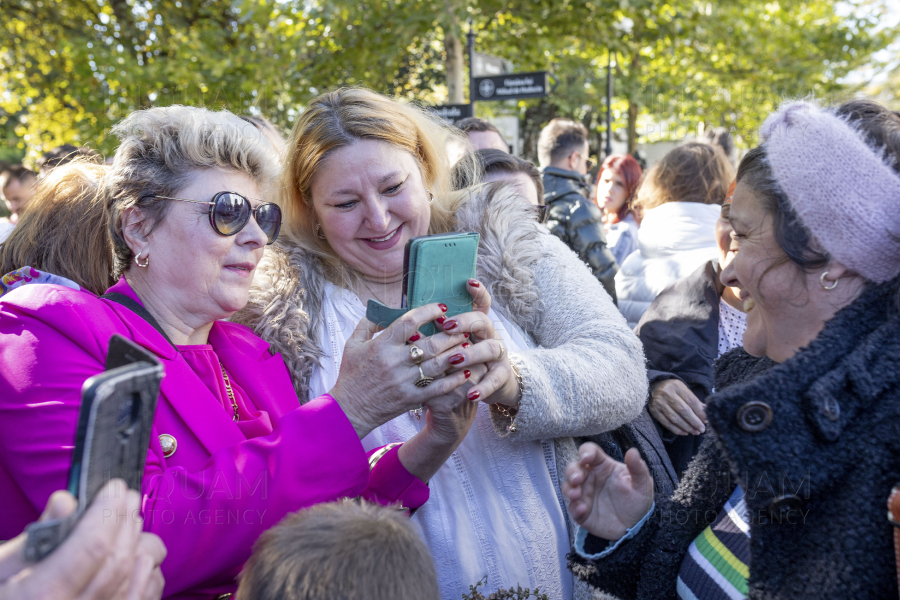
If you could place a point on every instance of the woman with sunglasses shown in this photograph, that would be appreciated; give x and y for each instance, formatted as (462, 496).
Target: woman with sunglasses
(232, 451)
(364, 174)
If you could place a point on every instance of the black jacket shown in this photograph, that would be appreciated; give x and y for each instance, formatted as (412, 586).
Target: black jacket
(815, 443)
(680, 333)
(579, 223)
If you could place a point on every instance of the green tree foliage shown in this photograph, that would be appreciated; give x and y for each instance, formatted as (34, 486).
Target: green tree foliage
(71, 68)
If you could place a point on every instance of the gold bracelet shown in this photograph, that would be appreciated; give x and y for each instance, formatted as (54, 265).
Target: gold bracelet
(511, 412)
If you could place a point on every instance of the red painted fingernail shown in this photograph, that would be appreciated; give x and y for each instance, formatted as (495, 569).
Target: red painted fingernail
(466, 345)
(474, 395)
(451, 324)
(466, 335)
(456, 359)
(441, 320)
(467, 373)
(474, 283)
(443, 307)
(415, 337)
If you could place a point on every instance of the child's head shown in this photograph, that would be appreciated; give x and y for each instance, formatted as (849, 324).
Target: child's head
(340, 551)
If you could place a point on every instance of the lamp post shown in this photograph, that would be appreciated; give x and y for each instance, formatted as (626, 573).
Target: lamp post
(609, 93)
(470, 39)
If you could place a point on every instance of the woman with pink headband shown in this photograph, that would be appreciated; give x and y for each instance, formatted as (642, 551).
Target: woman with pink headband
(786, 497)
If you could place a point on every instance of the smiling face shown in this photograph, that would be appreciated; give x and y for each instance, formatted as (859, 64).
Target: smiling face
(370, 199)
(611, 193)
(199, 275)
(786, 306)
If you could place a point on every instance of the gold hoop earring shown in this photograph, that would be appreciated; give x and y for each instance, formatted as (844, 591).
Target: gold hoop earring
(822, 281)
(137, 260)
(319, 233)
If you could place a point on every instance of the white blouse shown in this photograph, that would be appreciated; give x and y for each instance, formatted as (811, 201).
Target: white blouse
(495, 508)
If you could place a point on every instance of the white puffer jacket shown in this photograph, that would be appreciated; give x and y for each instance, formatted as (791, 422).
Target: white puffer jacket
(673, 241)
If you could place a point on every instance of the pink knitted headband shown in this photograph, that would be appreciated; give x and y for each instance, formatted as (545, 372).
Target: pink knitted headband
(839, 187)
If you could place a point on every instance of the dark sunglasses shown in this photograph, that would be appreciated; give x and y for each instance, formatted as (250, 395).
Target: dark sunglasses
(230, 212)
(543, 211)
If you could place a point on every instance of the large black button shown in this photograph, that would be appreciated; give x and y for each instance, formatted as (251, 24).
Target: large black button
(831, 408)
(823, 412)
(754, 416)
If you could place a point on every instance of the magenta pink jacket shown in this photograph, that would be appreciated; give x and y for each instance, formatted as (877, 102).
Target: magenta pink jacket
(211, 499)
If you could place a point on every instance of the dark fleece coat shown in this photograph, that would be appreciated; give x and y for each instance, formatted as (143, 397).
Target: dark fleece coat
(816, 476)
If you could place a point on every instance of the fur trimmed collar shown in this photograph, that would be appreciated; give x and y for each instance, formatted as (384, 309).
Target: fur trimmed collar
(285, 306)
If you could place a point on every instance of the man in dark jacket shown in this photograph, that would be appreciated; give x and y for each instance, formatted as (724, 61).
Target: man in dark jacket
(563, 154)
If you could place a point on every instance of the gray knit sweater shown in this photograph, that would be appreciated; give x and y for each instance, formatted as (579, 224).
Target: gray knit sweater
(586, 372)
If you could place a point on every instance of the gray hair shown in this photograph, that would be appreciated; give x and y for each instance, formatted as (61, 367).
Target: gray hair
(161, 148)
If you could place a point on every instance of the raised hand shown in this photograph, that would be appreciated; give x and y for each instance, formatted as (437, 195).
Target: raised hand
(107, 556)
(377, 378)
(608, 497)
(498, 385)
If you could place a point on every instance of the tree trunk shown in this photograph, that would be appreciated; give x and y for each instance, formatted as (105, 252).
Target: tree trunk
(632, 125)
(455, 66)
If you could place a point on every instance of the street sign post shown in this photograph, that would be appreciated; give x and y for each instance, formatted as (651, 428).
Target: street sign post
(452, 112)
(513, 86)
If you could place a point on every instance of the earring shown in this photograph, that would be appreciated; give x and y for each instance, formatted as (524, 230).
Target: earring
(138, 262)
(319, 232)
(430, 197)
(822, 281)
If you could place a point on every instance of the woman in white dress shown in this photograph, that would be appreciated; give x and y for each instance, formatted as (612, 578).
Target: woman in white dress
(363, 174)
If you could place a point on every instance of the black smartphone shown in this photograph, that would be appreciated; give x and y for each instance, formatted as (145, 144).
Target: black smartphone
(112, 438)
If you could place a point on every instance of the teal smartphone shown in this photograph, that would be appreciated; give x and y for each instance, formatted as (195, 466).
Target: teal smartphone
(436, 268)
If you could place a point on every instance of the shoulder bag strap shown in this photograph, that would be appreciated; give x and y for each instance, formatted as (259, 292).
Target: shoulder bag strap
(894, 518)
(137, 309)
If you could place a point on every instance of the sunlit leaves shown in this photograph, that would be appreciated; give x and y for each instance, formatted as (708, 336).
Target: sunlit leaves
(71, 68)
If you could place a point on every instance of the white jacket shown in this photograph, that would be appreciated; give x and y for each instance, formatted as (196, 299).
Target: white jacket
(673, 241)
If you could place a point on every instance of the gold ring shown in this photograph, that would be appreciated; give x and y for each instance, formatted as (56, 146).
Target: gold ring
(416, 354)
(502, 350)
(423, 380)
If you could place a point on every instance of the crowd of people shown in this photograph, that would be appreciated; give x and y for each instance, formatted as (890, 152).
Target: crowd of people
(672, 383)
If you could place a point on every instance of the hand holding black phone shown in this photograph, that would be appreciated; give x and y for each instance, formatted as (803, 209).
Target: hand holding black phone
(112, 439)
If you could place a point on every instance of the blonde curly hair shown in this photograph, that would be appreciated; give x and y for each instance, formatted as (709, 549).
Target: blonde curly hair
(163, 148)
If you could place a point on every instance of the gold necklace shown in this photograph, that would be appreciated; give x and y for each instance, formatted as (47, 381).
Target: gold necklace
(228, 389)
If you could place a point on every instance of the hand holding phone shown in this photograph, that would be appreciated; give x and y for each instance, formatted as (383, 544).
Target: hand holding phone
(112, 438)
(435, 270)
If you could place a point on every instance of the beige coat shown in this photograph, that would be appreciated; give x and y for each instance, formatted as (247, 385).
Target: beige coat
(586, 373)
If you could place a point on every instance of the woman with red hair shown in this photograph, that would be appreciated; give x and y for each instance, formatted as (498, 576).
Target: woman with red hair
(617, 184)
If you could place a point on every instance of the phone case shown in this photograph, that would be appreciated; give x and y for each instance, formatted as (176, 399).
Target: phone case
(438, 268)
(112, 438)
